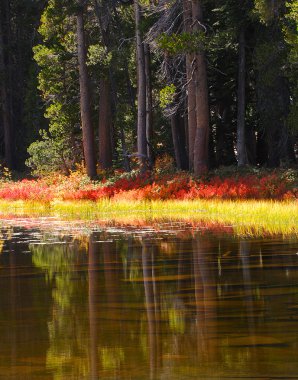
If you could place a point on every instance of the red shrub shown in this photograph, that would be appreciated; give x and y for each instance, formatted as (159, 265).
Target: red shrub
(174, 186)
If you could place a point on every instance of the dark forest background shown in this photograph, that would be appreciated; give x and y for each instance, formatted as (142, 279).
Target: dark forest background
(108, 82)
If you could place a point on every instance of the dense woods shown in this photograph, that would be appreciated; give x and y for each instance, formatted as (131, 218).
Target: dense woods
(116, 84)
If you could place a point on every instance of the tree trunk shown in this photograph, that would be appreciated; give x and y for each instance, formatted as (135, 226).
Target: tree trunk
(6, 115)
(178, 136)
(174, 128)
(141, 124)
(191, 97)
(149, 116)
(202, 116)
(241, 145)
(101, 12)
(107, 95)
(104, 125)
(88, 135)
(202, 105)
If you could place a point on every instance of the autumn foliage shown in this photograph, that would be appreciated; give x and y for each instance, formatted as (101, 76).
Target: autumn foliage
(152, 186)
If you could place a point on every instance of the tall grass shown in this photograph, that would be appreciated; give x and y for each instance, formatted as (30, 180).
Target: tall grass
(246, 217)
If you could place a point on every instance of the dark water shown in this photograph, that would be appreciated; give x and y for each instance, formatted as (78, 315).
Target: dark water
(116, 305)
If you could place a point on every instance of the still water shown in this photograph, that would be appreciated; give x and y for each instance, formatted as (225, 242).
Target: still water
(124, 304)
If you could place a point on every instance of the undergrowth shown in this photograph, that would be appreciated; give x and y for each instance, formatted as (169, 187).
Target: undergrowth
(155, 185)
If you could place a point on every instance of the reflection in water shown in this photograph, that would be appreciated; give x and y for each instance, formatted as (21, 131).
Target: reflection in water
(151, 304)
(244, 251)
(118, 306)
(13, 304)
(205, 298)
(67, 333)
(94, 293)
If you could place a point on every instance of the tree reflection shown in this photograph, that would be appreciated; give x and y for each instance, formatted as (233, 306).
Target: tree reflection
(67, 335)
(106, 351)
(150, 308)
(205, 298)
(13, 303)
(152, 305)
(111, 350)
(93, 289)
(244, 252)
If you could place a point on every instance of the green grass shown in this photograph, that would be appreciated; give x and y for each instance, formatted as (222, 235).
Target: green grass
(247, 217)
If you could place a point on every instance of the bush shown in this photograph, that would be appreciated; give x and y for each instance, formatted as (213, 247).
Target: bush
(49, 155)
(136, 185)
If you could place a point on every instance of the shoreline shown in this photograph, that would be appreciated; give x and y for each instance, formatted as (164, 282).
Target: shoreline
(243, 217)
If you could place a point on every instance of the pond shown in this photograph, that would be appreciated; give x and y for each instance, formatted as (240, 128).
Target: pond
(172, 303)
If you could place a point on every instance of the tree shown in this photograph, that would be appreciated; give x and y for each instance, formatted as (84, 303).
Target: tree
(141, 80)
(140, 66)
(191, 98)
(85, 99)
(58, 83)
(272, 85)
(201, 93)
(104, 125)
(241, 145)
(4, 97)
(149, 105)
(20, 106)
(105, 119)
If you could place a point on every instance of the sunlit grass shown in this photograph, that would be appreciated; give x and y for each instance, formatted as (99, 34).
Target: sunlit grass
(247, 217)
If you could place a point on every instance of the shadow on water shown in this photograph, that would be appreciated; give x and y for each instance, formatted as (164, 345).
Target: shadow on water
(125, 305)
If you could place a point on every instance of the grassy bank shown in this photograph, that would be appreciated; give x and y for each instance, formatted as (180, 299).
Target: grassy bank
(244, 217)
(247, 202)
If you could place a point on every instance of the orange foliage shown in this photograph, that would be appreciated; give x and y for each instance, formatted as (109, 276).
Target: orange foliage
(180, 186)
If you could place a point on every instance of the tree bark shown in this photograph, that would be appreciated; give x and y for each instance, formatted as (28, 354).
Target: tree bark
(149, 116)
(241, 143)
(191, 97)
(202, 104)
(5, 107)
(141, 124)
(88, 135)
(107, 95)
(104, 125)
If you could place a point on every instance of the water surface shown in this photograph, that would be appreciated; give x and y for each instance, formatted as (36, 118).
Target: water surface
(116, 304)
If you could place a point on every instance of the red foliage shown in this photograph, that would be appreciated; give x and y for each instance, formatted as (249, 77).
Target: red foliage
(26, 190)
(177, 186)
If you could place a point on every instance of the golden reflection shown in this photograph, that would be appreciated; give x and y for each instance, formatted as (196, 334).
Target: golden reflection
(94, 293)
(147, 307)
(67, 334)
(205, 297)
(152, 305)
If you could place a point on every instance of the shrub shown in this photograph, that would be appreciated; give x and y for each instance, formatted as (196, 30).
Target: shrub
(136, 185)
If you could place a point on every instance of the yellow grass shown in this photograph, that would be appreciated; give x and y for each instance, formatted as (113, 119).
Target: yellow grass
(247, 217)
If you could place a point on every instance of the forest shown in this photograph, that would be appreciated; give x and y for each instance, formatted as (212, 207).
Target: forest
(148, 189)
(117, 84)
